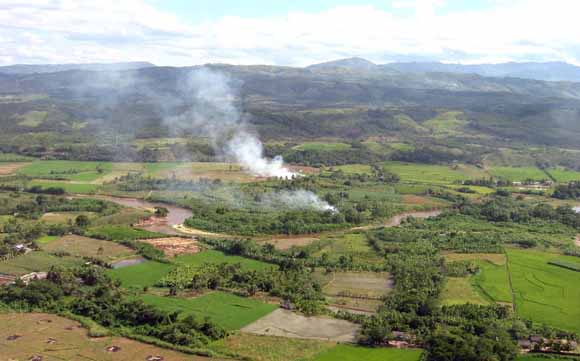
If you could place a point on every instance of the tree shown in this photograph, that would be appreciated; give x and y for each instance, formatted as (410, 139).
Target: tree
(82, 221)
(161, 212)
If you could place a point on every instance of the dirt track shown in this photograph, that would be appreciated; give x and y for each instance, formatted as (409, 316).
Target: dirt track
(288, 324)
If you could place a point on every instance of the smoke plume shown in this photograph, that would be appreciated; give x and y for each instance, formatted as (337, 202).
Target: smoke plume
(216, 115)
(299, 200)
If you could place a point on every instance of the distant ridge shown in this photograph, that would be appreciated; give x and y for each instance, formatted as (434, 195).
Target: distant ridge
(349, 63)
(53, 68)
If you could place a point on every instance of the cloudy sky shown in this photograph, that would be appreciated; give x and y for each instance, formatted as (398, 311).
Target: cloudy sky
(281, 32)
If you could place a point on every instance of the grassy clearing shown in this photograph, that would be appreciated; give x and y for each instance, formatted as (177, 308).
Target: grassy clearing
(69, 170)
(217, 257)
(518, 173)
(36, 261)
(492, 281)
(495, 258)
(564, 175)
(71, 341)
(356, 353)
(81, 188)
(270, 348)
(323, 146)
(350, 244)
(545, 293)
(141, 275)
(354, 168)
(229, 311)
(45, 239)
(79, 246)
(436, 174)
(64, 217)
(358, 284)
(445, 123)
(458, 290)
(32, 119)
(122, 233)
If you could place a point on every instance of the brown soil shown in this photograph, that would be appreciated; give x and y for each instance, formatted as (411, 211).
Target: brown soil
(577, 241)
(284, 243)
(495, 258)
(73, 342)
(173, 246)
(288, 324)
(10, 168)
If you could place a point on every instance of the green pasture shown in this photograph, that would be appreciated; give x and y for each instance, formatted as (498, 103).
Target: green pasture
(546, 293)
(436, 174)
(67, 186)
(121, 233)
(217, 257)
(36, 261)
(322, 146)
(141, 275)
(518, 173)
(70, 170)
(225, 309)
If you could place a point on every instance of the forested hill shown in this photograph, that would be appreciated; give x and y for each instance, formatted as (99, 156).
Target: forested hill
(356, 100)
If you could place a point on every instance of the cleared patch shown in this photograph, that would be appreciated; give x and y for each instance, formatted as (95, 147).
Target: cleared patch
(357, 291)
(284, 243)
(495, 258)
(174, 246)
(10, 168)
(32, 345)
(288, 324)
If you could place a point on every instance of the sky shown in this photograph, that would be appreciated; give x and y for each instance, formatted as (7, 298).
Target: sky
(293, 33)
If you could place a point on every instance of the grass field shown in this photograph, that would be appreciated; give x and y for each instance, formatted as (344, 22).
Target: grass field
(82, 188)
(46, 239)
(357, 353)
(228, 310)
(64, 169)
(79, 246)
(492, 281)
(36, 261)
(518, 173)
(543, 358)
(69, 341)
(122, 233)
(459, 290)
(564, 175)
(350, 244)
(217, 257)
(545, 293)
(323, 146)
(271, 348)
(64, 217)
(437, 174)
(141, 275)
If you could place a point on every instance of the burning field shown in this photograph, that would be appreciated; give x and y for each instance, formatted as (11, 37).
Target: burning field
(39, 336)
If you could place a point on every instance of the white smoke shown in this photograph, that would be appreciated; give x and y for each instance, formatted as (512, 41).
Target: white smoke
(216, 115)
(299, 200)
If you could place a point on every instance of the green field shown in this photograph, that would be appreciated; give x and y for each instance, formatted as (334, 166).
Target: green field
(564, 175)
(356, 353)
(122, 233)
(546, 293)
(322, 146)
(68, 187)
(45, 239)
(518, 173)
(217, 257)
(459, 290)
(544, 358)
(141, 275)
(437, 174)
(492, 281)
(227, 310)
(36, 261)
(64, 169)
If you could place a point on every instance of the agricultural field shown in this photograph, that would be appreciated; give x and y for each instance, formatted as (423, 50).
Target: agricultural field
(357, 290)
(64, 217)
(564, 175)
(434, 174)
(358, 353)
(24, 336)
(543, 292)
(271, 348)
(289, 324)
(10, 168)
(459, 290)
(67, 170)
(78, 246)
(323, 146)
(347, 245)
(36, 261)
(225, 309)
(217, 257)
(122, 233)
(141, 275)
(69, 187)
(519, 174)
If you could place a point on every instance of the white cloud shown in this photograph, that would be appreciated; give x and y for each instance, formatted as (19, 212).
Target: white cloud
(59, 31)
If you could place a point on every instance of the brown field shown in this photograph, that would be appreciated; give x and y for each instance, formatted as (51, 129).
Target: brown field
(173, 246)
(357, 291)
(284, 242)
(10, 168)
(195, 171)
(79, 246)
(495, 258)
(49, 337)
(271, 348)
(285, 323)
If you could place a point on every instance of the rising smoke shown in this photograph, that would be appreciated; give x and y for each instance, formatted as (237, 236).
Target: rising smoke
(214, 113)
